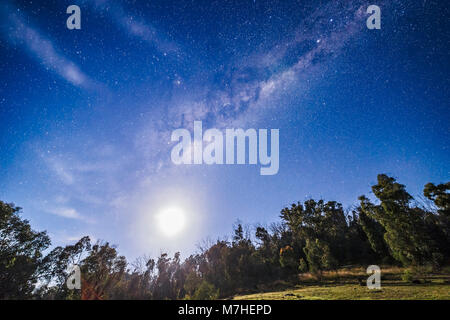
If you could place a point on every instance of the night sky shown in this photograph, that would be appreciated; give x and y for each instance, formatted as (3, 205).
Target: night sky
(86, 115)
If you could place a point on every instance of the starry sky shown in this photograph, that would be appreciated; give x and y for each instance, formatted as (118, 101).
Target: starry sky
(86, 115)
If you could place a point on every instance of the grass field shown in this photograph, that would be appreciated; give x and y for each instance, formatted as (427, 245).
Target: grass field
(349, 284)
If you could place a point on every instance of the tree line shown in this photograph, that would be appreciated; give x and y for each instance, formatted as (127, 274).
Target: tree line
(311, 236)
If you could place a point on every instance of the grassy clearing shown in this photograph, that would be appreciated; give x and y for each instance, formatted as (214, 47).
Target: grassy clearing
(349, 284)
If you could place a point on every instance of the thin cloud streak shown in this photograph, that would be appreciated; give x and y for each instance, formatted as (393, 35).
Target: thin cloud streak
(43, 50)
(69, 213)
(135, 27)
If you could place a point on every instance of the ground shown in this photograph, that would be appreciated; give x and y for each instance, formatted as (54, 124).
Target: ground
(349, 284)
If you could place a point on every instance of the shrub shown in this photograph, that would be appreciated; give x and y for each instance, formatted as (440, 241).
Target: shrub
(408, 276)
(287, 258)
(206, 291)
(303, 266)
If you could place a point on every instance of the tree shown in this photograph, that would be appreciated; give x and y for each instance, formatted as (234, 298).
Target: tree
(302, 266)
(439, 225)
(288, 259)
(55, 266)
(318, 220)
(373, 230)
(319, 256)
(268, 252)
(193, 281)
(102, 270)
(21, 255)
(206, 291)
(405, 225)
(440, 196)
(241, 265)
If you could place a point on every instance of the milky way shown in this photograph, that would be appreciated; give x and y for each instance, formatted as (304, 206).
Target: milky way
(86, 115)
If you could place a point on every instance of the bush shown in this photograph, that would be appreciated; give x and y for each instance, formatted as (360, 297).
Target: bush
(288, 260)
(303, 266)
(206, 291)
(408, 276)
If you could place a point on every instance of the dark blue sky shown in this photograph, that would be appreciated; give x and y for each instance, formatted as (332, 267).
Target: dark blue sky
(86, 115)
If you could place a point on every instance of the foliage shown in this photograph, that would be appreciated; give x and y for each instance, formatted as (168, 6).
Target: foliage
(302, 266)
(314, 236)
(405, 226)
(319, 256)
(408, 276)
(206, 291)
(287, 258)
(21, 254)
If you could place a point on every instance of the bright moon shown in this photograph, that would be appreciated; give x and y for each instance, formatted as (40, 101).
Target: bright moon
(171, 221)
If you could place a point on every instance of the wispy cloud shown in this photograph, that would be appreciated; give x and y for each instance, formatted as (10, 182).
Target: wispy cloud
(66, 213)
(93, 179)
(60, 169)
(69, 213)
(64, 237)
(42, 49)
(135, 26)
